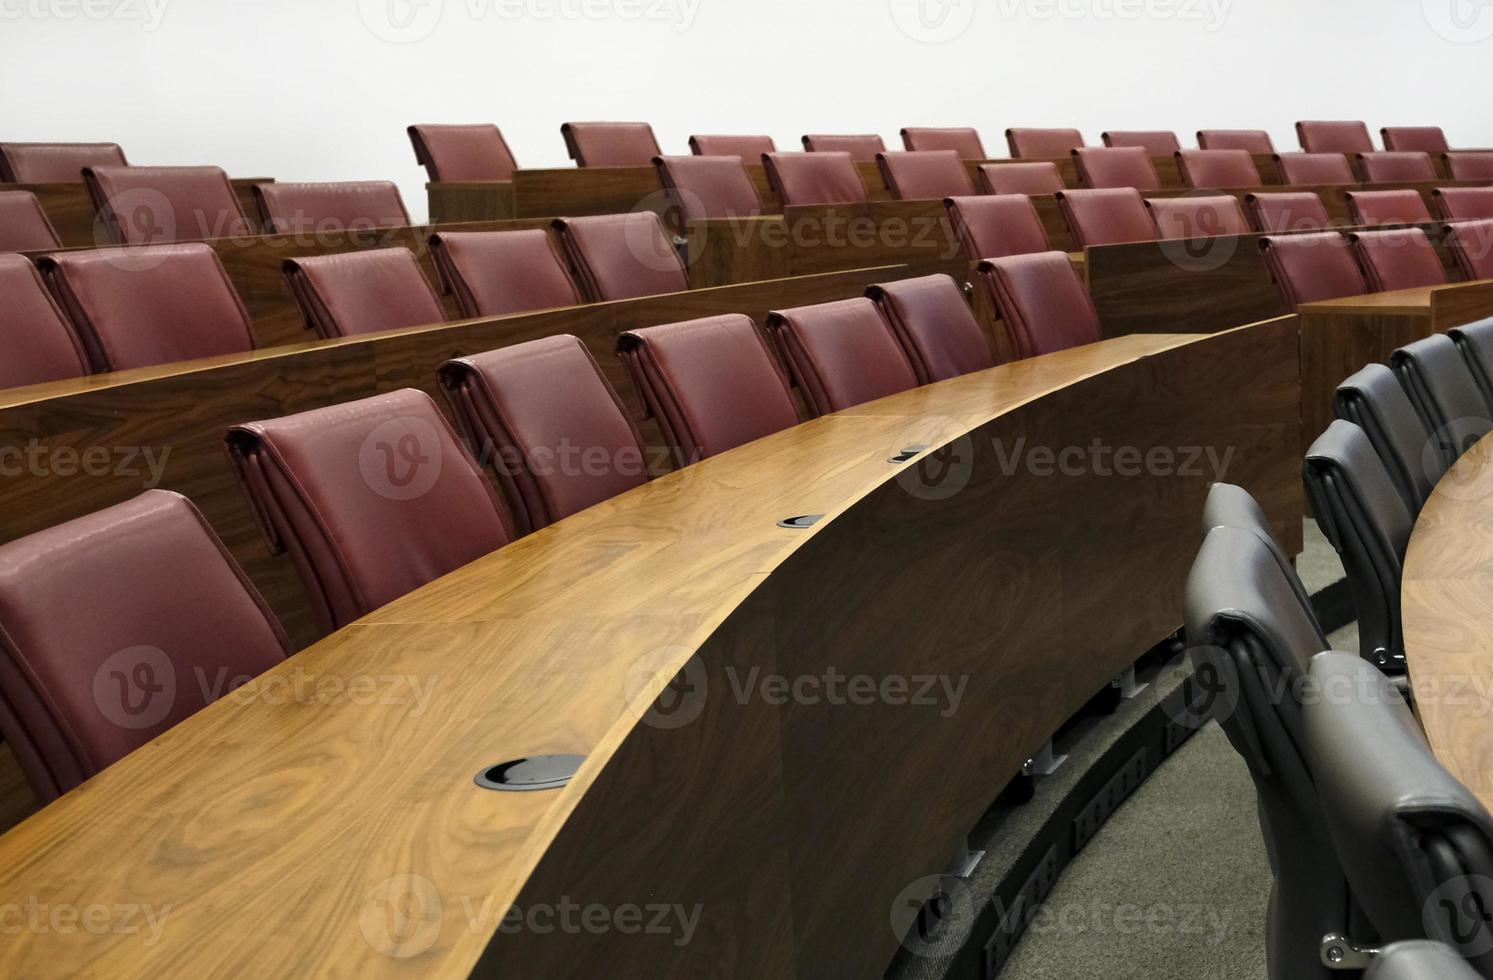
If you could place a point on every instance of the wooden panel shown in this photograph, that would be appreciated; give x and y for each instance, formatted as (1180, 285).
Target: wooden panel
(70, 209)
(353, 837)
(1198, 285)
(1334, 344)
(486, 200)
(1460, 304)
(1166, 169)
(164, 426)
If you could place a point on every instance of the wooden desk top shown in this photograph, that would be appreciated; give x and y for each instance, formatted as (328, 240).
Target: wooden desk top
(1417, 302)
(1446, 605)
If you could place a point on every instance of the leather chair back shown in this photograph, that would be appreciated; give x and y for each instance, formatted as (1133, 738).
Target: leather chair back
(1107, 216)
(965, 142)
(1374, 400)
(1312, 267)
(1346, 136)
(1397, 258)
(55, 163)
(712, 384)
(1256, 142)
(1037, 177)
(1218, 168)
(24, 226)
(155, 205)
(610, 144)
(619, 256)
(1413, 139)
(1043, 144)
(841, 354)
(543, 417)
(1041, 301)
(1156, 142)
(40, 344)
(117, 626)
(140, 306)
(1469, 166)
(1286, 211)
(1439, 382)
(703, 187)
(990, 226)
(749, 148)
(1403, 206)
(1464, 203)
(1475, 341)
(935, 326)
(293, 209)
(1228, 505)
(495, 273)
(462, 152)
(1197, 217)
(862, 148)
(925, 174)
(372, 498)
(1128, 166)
(1383, 168)
(821, 177)
(348, 293)
(1314, 169)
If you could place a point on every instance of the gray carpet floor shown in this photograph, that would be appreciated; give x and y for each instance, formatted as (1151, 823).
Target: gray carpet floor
(1174, 886)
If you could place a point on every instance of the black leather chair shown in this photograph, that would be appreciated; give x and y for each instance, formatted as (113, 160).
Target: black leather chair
(1375, 401)
(1231, 506)
(1365, 518)
(1475, 341)
(1252, 636)
(1441, 388)
(1415, 844)
(1420, 960)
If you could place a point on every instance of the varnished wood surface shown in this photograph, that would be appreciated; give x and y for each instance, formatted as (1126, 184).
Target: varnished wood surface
(1198, 285)
(163, 426)
(70, 209)
(478, 200)
(294, 840)
(1446, 606)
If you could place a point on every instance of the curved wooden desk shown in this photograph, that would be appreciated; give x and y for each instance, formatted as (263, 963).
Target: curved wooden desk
(328, 835)
(1446, 606)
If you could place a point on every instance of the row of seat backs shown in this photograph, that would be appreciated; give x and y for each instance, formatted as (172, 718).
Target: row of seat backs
(479, 152)
(1365, 825)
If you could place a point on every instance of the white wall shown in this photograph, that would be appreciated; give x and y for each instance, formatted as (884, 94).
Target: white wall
(322, 89)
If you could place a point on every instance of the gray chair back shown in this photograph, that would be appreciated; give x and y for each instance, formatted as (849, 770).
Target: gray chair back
(1441, 387)
(1475, 341)
(1376, 402)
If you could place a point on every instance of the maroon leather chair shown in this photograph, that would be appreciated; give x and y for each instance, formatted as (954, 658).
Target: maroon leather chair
(1256, 142)
(920, 175)
(1397, 258)
(610, 144)
(1106, 216)
(708, 187)
(712, 384)
(1311, 267)
(153, 205)
(619, 256)
(1286, 211)
(935, 326)
(351, 293)
(1218, 168)
(1127, 166)
(1313, 169)
(293, 209)
(372, 498)
(1463, 203)
(1414, 139)
(1156, 142)
(992, 225)
(1397, 207)
(841, 354)
(821, 177)
(1041, 301)
(1471, 243)
(1043, 144)
(139, 306)
(40, 344)
(862, 148)
(1334, 136)
(1383, 168)
(55, 163)
(114, 628)
(1037, 177)
(749, 148)
(963, 141)
(1469, 166)
(495, 273)
(1197, 217)
(462, 152)
(24, 226)
(543, 416)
